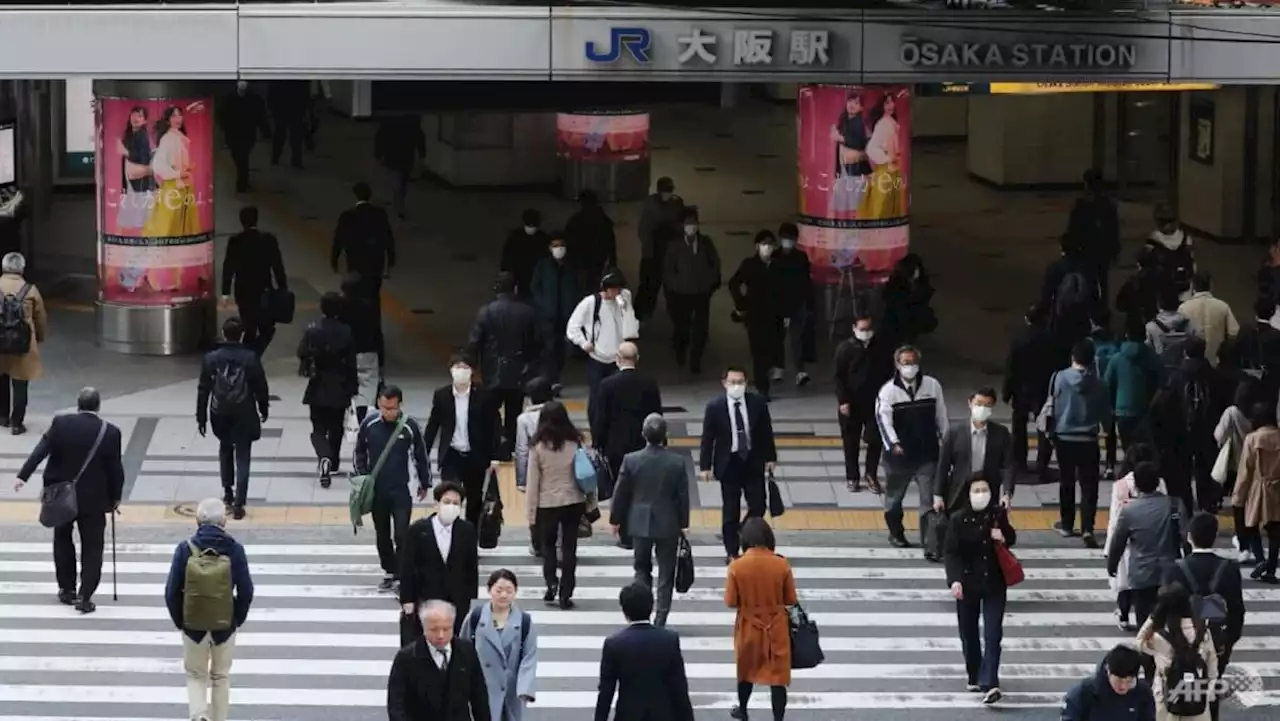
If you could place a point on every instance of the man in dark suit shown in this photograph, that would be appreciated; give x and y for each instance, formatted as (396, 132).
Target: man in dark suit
(439, 560)
(437, 676)
(364, 235)
(252, 260)
(466, 419)
(626, 399)
(644, 665)
(738, 450)
(652, 506)
(978, 445)
(1204, 572)
(505, 340)
(85, 450)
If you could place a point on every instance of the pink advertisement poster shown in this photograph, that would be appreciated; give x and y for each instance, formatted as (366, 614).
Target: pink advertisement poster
(854, 150)
(602, 137)
(155, 200)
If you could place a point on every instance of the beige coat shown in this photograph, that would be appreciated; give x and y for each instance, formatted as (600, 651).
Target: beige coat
(25, 367)
(550, 480)
(1159, 648)
(760, 586)
(1212, 320)
(1258, 478)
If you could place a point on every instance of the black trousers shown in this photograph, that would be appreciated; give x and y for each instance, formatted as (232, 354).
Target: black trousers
(240, 156)
(665, 548)
(512, 402)
(234, 457)
(690, 320)
(327, 430)
(650, 282)
(560, 523)
(466, 469)
(373, 292)
(596, 373)
(390, 521)
(737, 483)
(294, 130)
(258, 329)
(764, 341)
(858, 426)
(1024, 412)
(1078, 462)
(91, 528)
(13, 405)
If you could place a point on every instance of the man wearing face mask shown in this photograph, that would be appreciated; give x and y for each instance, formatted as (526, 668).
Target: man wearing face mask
(242, 116)
(691, 274)
(755, 288)
(976, 447)
(659, 223)
(795, 299)
(556, 290)
(863, 364)
(599, 325)
(913, 416)
(439, 560)
(466, 419)
(525, 246)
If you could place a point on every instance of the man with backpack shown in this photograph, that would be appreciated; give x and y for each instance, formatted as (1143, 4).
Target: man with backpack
(23, 327)
(600, 323)
(208, 595)
(1113, 693)
(327, 355)
(1184, 415)
(232, 395)
(1169, 331)
(1217, 597)
(1071, 295)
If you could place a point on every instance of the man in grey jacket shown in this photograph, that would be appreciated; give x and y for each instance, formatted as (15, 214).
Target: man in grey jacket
(651, 504)
(691, 274)
(1152, 527)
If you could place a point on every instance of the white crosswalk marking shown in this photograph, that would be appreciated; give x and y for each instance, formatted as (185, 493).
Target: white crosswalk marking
(320, 636)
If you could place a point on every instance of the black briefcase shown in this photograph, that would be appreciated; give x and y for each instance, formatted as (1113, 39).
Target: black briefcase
(279, 305)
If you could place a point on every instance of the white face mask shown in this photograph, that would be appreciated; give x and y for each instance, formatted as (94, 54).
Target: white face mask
(765, 252)
(788, 243)
(530, 229)
(666, 197)
(558, 253)
(980, 500)
(449, 513)
(691, 230)
(863, 335)
(461, 376)
(980, 414)
(736, 391)
(909, 372)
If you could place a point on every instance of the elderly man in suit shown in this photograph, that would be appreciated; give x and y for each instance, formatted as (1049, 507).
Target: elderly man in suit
(437, 677)
(643, 665)
(652, 505)
(85, 450)
(976, 446)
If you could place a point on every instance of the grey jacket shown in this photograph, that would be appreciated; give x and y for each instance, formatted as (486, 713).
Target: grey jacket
(1154, 528)
(651, 499)
(526, 426)
(955, 462)
(692, 268)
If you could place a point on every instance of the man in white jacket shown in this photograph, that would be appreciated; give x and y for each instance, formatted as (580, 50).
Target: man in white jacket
(600, 323)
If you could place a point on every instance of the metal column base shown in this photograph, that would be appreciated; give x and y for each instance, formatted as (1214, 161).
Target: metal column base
(155, 330)
(619, 182)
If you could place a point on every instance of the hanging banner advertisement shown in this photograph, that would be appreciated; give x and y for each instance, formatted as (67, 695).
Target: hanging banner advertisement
(854, 165)
(155, 200)
(603, 137)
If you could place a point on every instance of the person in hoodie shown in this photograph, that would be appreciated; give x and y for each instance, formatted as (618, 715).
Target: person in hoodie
(1131, 379)
(1169, 332)
(556, 289)
(598, 325)
(1139, 297)
(863, 364)
(659, 223)
(327, 354)
(755, 287)
(795, 301)
(1184, 415)
(207, 655)
(1029, 365)
(525, 246)
(1172, 250)
(1096, 223)
(1211, 318)
(691, 275)
(591, 240)
(1071, 296)
(1079, 409)
(1113, 693)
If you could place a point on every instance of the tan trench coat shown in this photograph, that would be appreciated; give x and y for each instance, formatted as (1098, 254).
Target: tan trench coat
(1258, 478)
(760, 586)
(25, 367)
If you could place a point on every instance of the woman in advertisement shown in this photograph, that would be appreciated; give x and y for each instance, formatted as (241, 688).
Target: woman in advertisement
(886, 195)
(175, 214)
(852, 168)
(136, 180)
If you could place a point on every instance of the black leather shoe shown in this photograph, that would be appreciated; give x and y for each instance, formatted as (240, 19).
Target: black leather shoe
(68, 598)
(898, 541)
(86, 606)
(18, 429)
(237, 513)
(550, 596)
(567, 604)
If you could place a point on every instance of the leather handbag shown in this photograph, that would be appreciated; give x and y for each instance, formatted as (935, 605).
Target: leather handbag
(1010, 566)
(806, 647)
(684, 565)
(776, 506)
(58, 502)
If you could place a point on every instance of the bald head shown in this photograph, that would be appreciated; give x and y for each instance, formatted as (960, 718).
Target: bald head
(628, 354)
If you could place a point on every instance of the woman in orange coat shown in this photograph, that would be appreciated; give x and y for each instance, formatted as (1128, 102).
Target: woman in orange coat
(761, 587)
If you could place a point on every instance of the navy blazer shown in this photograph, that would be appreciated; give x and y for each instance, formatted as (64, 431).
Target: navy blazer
(643, 663)
(717, 436)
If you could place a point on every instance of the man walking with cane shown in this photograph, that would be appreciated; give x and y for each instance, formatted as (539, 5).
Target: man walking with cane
(84, 450)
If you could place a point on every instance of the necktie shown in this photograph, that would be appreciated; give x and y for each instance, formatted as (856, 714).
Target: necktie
(744, 441)
(444, 659)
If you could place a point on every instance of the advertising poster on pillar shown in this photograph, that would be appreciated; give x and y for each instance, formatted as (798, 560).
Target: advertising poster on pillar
(602, 137)
(854, 150)
(155, 200)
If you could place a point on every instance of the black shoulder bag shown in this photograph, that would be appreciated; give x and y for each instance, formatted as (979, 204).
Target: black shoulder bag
(58, 503)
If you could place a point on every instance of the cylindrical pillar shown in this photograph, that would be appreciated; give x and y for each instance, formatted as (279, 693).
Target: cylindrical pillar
(155, 181)
(605, 151)
(855, 159)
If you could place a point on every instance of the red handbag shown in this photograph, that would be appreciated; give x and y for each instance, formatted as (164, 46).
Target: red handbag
(1010, 566)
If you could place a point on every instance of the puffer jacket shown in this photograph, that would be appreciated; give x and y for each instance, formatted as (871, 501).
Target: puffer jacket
(505, 338)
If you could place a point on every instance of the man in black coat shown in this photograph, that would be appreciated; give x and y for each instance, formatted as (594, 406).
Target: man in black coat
(232, 394)
(737, 447)
(439, 560)
(652, 505)
(327, 354)
(505, 338)
(863, 363)
(243, 115)
(524, 248)
(756, 289)
(253, 259)
(466, 419)
(364, 236)
(591, 240)
(1031, 362)
(437, 676)
(643, 664)
(86, 450)
(626, 399)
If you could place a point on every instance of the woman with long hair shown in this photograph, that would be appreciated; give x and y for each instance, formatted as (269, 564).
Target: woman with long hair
(1173, 631)
(760, 586)
(555, 501)
(1256, 490)
(886, 195)
(1122, 492)
(176, 214)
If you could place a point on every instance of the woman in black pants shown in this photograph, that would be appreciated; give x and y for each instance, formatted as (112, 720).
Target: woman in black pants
(555, 502)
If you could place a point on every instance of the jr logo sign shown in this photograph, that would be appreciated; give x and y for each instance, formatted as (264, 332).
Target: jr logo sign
(633, 41)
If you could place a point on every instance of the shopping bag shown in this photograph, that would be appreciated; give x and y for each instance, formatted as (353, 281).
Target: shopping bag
(684, 565)
(806, 647)
(1221, 472)
(776, 506)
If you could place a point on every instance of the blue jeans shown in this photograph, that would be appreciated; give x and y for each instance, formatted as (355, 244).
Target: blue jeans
(982, 653)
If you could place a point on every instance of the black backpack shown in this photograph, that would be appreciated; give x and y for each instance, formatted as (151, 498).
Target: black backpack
(1197, 401)
(1186, 680)
(1174, 348)
(15, 331)
(230, 388)
(1076, 295)
(1208, 604)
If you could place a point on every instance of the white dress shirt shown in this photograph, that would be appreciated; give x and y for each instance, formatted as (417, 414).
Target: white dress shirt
(461, 413)
(733, 422)
(444, 537)
(978, 447)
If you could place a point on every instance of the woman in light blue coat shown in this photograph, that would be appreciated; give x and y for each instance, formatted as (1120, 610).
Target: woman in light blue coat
(507, 646)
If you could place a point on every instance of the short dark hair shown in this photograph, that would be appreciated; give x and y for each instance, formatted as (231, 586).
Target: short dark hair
(248, 216)
(446, 486)
(1092, 178)
(1264, 307)
(985, 392)
(733, 369)
(1123, 661)
(789, 230)
(588, 197)
(1135, 331)
(459, 357)
(1202, 280)
(331, 304)
(539, 390)
(637, 601)
(766, 237)
(1138, 454)
(1083, 351)
(1168, 299)
(666, 185)
(612, 278)
(1146, 477)
(391, 392)
(362, 191)
(502, 574)
(1262, 415)
(531, 217)
(1203, 530)
(688, 213)
(233, 329)
(505, 282)
(1194, 347)
(756, 533)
